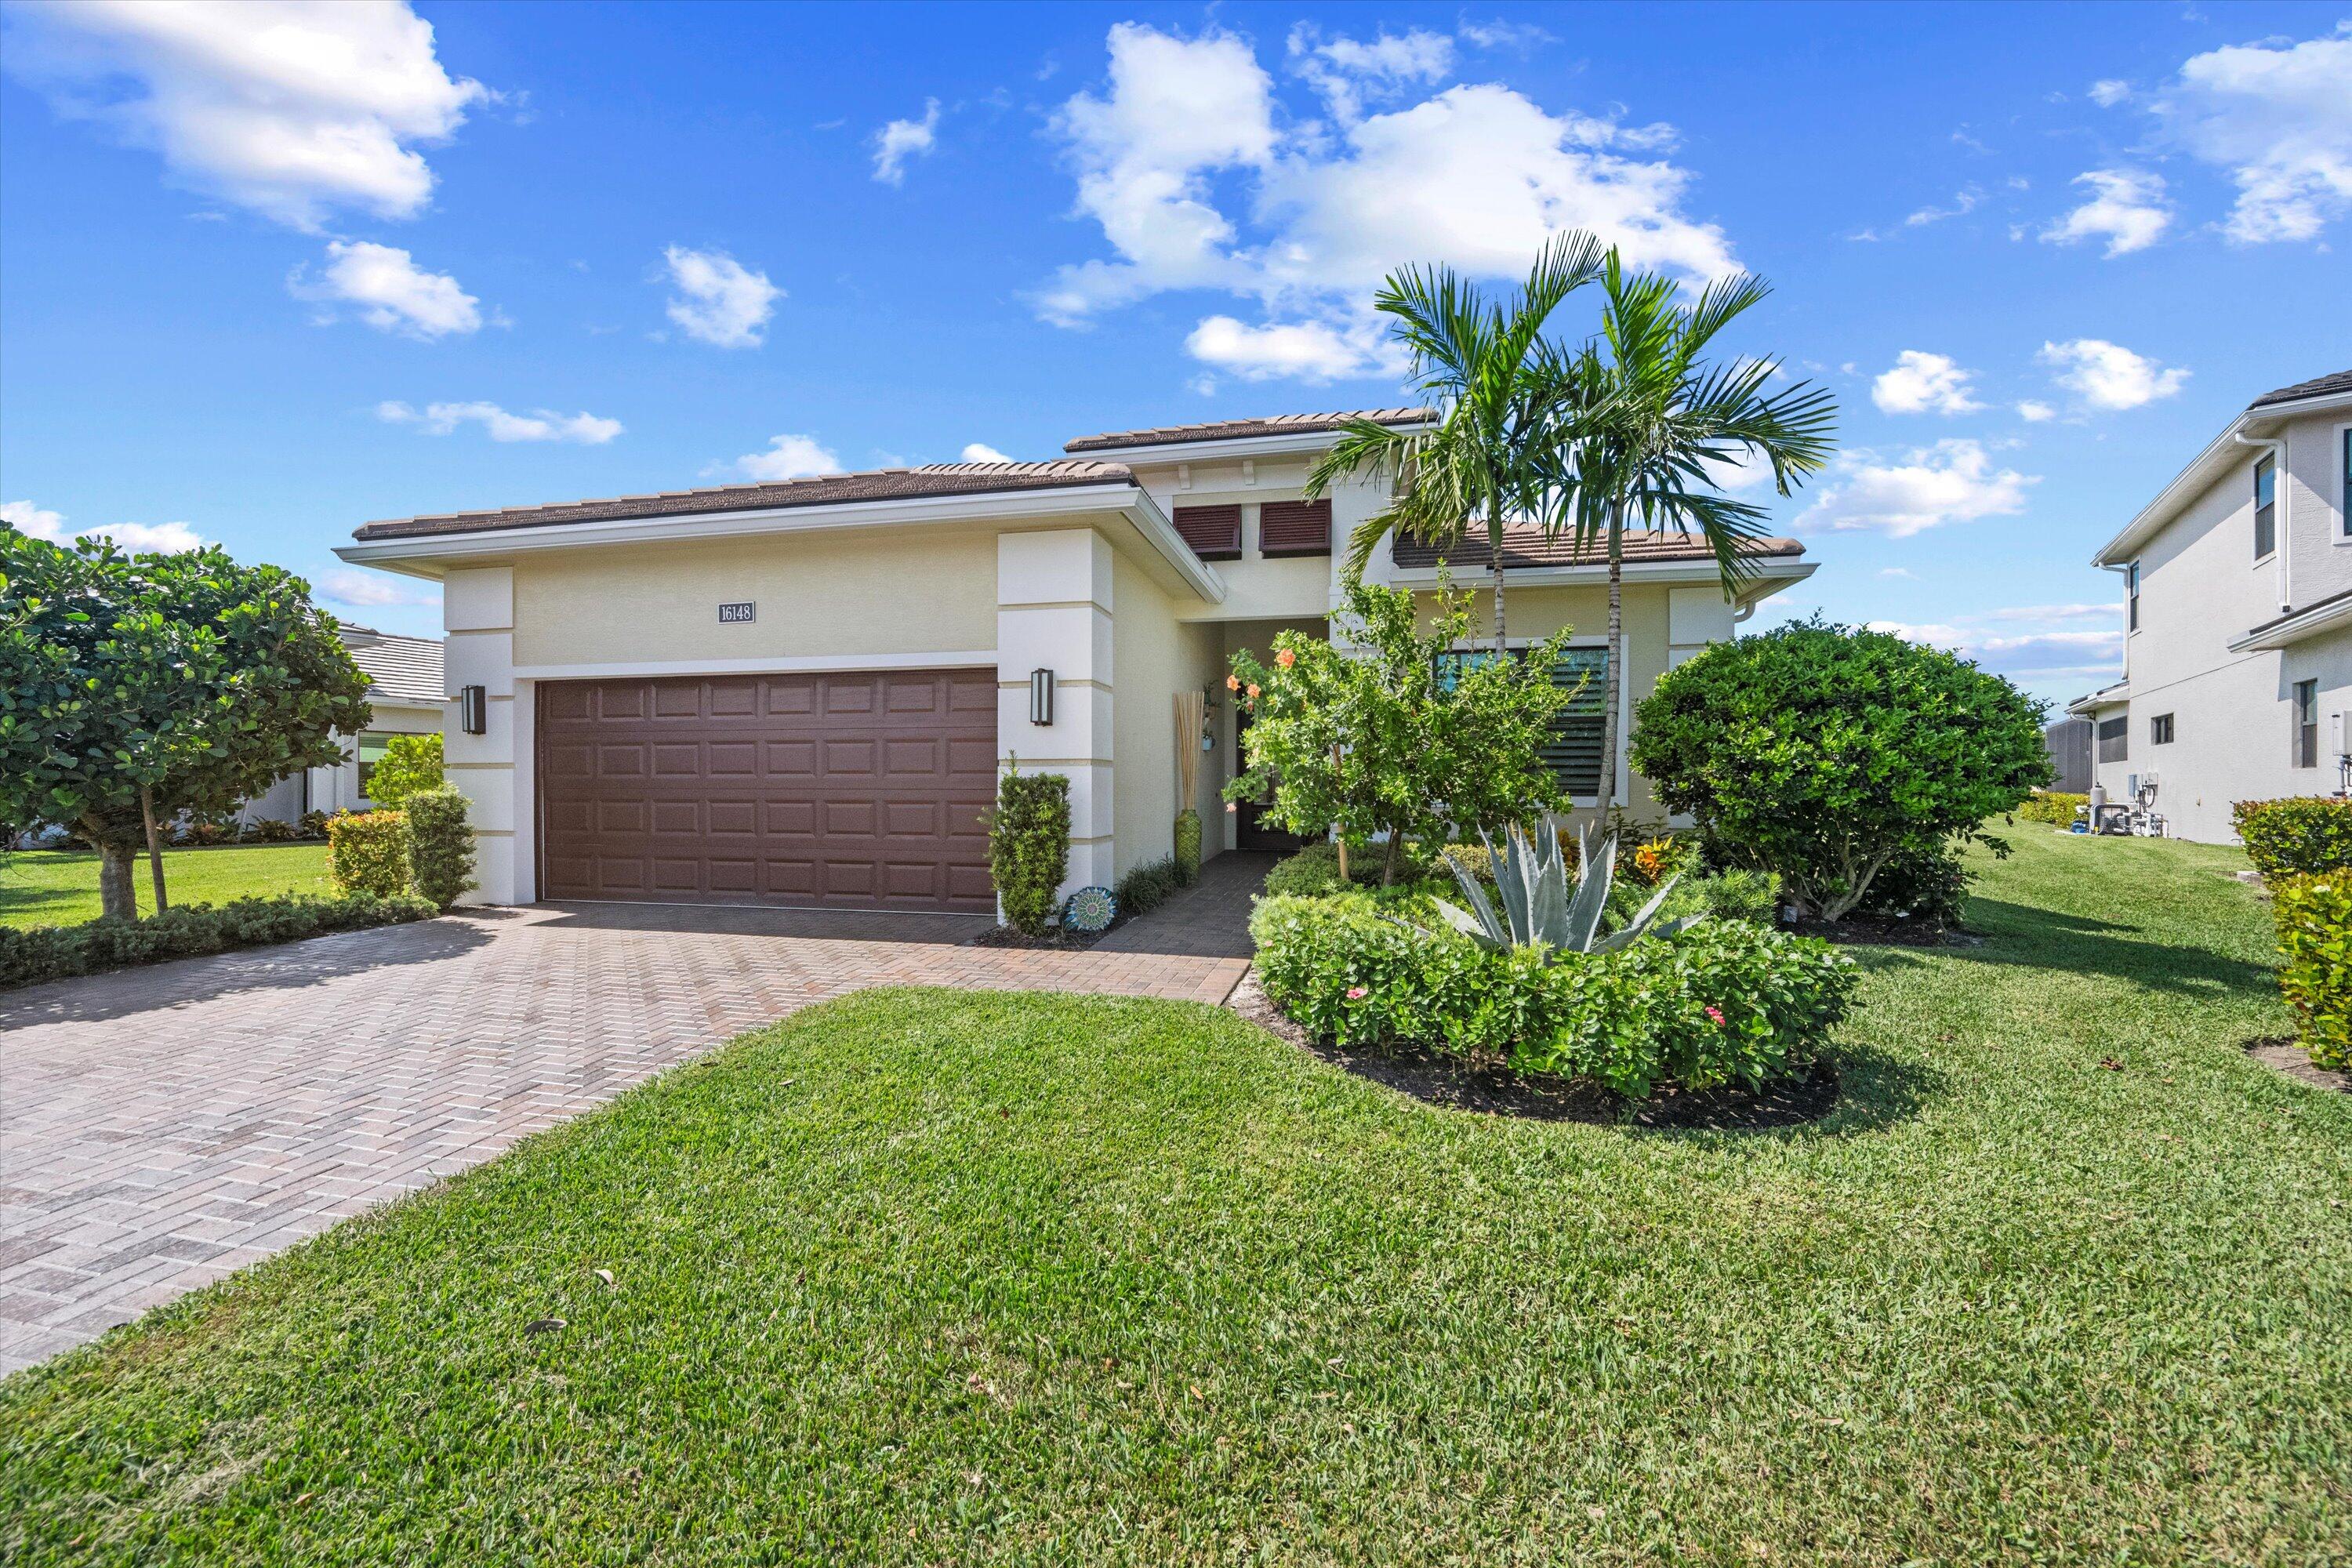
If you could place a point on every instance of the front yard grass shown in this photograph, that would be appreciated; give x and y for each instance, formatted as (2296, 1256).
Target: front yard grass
(60, 886)
(920, 1276)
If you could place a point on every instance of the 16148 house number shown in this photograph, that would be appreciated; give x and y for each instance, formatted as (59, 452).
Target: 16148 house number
(732, 614)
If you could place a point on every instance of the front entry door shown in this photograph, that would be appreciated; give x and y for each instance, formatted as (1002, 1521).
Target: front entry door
(1250, 830)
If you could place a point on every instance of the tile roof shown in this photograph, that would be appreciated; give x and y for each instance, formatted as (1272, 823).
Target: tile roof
(823, 489)
(1241, 429)
(2341, 381)
(399, 668)
(1524, 545)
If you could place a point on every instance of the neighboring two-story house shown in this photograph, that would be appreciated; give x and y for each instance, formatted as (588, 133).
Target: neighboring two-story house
(802, 693)
(2238, 620)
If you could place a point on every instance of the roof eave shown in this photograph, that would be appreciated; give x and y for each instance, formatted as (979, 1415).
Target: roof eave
(1286, 443)
(2285, 633)
(2217, 456)
(1777, 570)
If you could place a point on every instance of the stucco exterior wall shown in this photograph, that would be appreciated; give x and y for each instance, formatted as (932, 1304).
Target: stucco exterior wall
(1156, 656)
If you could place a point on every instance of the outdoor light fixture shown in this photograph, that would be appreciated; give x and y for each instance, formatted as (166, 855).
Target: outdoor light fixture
(474, 708)
(1041, 697)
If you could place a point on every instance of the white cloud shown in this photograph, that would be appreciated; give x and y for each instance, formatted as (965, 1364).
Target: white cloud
(1952, 481)
(1904, 573)
(293, 111)
(720, 300)
(157, 538)
(1182, 162)
(540, 425)
(904, 139)
(788, 457)
(1923, 382)
(2030, 657)
(2278, 117)
(374, 590)
(1305, 351)
(2035, 413)
(2126, 209)
(1964, 202)
(982, 452)
(391, 292)
(2108, 375)
(1348, 71)
(2107, 92)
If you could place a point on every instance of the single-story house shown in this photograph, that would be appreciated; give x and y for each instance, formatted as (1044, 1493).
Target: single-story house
(802, 693)
(406, 695)
(2236, 585)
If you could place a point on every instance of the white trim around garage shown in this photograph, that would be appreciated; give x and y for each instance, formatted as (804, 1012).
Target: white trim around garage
(773, 665)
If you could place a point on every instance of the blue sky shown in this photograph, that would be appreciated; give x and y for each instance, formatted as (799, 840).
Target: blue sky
(269, 271)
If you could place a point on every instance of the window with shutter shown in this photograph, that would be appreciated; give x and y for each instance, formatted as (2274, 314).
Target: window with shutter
(1573, 752)
(1295, 527)
(1215, 532)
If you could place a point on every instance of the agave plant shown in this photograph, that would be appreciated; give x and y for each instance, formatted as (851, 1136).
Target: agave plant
(1540, 908)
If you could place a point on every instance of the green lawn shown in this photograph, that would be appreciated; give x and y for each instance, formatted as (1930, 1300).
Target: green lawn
(921, 1277)
(60, 886)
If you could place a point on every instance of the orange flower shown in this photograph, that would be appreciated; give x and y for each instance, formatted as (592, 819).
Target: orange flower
(1253, 690)
(1233, 683)
(1286, 659)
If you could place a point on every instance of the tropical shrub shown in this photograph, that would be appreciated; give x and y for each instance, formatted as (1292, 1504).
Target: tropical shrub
(1539, 903)
(1822, 752)
(1719, 1001)
(440, 845)
(2297, 836)
(30, 955)
(312, 825)
(2313, 912)
(1029, 845)
(411, 765)
(1148, 885)
(367, 852)
(2053, 806)
(270, 830)
(1400, 734)
(1733, 895)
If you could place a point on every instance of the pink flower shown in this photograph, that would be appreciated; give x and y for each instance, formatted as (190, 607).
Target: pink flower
(1357, 993)
(1233, 806)
(1715, 1014)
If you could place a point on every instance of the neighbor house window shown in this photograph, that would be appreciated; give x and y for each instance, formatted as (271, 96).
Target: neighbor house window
(371, 748)
(2306, 723)
(1573, 752)
(2159, 730)
(2346, 514)
(2131, 597)
(2265, 506)
(2115, 740)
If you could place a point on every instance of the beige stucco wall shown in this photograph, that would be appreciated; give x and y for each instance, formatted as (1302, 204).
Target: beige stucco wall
(821, 595)
(1155, 655)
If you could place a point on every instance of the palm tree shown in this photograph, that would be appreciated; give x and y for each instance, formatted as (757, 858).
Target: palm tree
(1647, 428)
(1482, 364)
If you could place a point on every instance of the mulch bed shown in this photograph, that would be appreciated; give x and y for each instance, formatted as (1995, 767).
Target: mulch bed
(1456, 1085)
(1055, 939)
(2283, 1055)
(1861, 931)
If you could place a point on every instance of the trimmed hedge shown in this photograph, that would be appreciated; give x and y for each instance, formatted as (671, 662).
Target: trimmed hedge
(2295, 837)
(2314, 935)
(440, 845)
(1029, 846)
(367, 852)
(1721, 1001)
(30, 955)
(2052, 807)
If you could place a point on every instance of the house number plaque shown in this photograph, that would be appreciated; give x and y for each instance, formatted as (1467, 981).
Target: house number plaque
(730, 614)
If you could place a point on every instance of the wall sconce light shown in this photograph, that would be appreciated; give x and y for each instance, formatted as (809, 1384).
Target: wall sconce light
(1041, 697)
(473, 710)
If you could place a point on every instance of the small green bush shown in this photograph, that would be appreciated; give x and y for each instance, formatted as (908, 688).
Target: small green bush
(2313, 912)
(1310, 873)
(440, 846)
(269, 830)
(411, 765)
(367, 852)
(1149, 886)
(1188, 847)
(1720, 1002)
(29, 955)
(312, 825)
(2052, 807)
(1029, 846)
(2297, 836)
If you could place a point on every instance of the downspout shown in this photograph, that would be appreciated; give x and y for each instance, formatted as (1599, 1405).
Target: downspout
(2276, 447)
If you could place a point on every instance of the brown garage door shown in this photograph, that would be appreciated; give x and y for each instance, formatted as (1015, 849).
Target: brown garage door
(856, 791)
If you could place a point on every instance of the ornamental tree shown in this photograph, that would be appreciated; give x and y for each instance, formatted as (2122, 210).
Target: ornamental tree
(1824, 751)
(135, 688)
(1397, 730)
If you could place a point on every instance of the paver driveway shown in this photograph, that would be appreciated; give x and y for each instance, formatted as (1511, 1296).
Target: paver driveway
(161, 1127)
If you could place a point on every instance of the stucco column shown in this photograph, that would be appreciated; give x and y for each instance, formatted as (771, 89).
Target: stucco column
(477, 614)
(1054, 611)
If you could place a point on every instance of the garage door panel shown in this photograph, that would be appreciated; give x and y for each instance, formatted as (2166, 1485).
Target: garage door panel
(860, 790)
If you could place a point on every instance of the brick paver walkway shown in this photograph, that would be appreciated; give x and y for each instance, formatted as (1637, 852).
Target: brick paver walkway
(1208, 920)
(161, 1127)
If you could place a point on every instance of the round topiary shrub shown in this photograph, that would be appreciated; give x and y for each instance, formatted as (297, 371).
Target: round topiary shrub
(1822, 752)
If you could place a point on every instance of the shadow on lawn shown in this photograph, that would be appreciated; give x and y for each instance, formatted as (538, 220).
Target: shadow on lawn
(310, 961)
(2025, 936)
